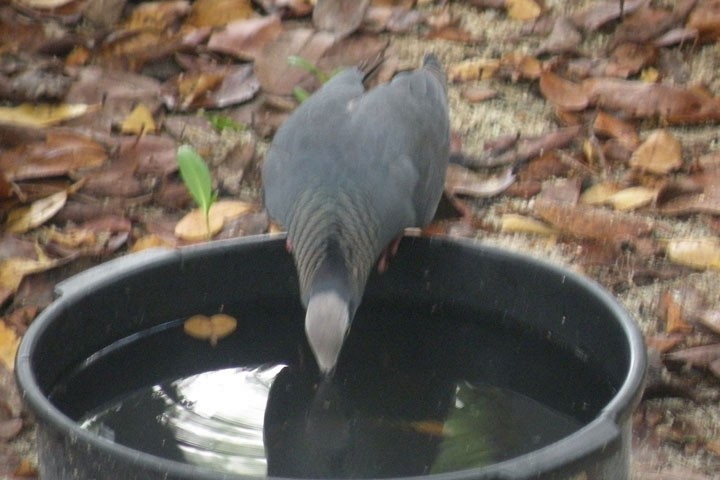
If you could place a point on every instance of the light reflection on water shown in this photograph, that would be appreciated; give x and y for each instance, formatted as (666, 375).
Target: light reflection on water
(218, 420)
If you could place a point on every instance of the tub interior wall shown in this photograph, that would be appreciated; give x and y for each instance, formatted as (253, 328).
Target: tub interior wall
(183, 283)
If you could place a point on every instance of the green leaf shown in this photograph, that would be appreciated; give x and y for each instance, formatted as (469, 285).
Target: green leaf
(196, 176)
(300, 94)
(305, 64)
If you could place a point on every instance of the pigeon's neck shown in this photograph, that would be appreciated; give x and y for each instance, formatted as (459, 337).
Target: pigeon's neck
(334, 240)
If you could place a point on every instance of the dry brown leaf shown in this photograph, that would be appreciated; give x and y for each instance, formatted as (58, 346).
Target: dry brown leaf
(660, 153)
(246, 39)
(193, 227)
(9, 342)
(451, 33)
(276, 76)
(40, 211)
(629, 58)
(523, 9)
(14, 269)
(463, 181)
(59, 154)
(212, 328)
(218, 13)
(157, 16)
(583, 221)
(516, 65)
(477, 94)
(638, 99)
(41, 115)
(633, 198)
(476, 69)
(696, 356)
(194, 86)
(673, 313)
(341, 17)
(139, 122)
(563, 38)
(613, 127)
(705, 18)
(514, 223)
(700, 253)
(563, 93)
(598, 14)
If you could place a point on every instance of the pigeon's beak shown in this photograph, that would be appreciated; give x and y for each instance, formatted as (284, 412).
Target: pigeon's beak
(327, 322)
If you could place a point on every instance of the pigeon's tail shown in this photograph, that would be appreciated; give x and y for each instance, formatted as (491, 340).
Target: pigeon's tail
(433, 65)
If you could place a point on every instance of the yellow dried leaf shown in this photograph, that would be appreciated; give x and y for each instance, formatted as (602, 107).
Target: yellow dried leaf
(150, 241)
(40, 211)
(514, 223)
(228, 209)
(477, 69)
(41, 115)
(701, 253)
(649, 75)
(140, 121)
(43, 4)
(660, 153)
(632, 198)
(9, 342)
(523, 9)
(212, 328)
(599, 193)
(14, 269)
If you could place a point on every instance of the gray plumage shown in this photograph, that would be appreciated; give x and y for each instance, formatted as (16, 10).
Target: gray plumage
(346, 174)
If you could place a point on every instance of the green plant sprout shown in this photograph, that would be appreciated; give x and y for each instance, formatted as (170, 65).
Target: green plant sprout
(195, 175)
(300, 93)
(222, 122)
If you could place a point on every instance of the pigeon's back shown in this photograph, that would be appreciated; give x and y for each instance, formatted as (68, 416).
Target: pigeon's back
(388, 146)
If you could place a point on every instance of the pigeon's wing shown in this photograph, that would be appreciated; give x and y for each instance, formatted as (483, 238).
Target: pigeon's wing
(303, 149)
(402, 141)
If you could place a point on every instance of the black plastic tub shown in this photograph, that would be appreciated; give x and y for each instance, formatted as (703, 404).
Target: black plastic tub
(116, 302)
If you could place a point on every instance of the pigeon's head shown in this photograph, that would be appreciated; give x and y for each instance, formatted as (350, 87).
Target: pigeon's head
(327, 322)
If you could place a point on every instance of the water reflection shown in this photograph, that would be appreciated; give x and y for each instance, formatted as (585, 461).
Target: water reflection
(277, 420)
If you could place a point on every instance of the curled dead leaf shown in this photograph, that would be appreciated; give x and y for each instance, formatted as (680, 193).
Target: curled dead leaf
(40, 211)
(213, 328)
(514, 223)
(463, 181)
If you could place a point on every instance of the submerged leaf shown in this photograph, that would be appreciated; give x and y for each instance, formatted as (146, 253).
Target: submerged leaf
(212, 328)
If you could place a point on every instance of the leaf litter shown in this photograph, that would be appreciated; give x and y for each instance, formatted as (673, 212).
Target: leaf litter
(579, 132)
